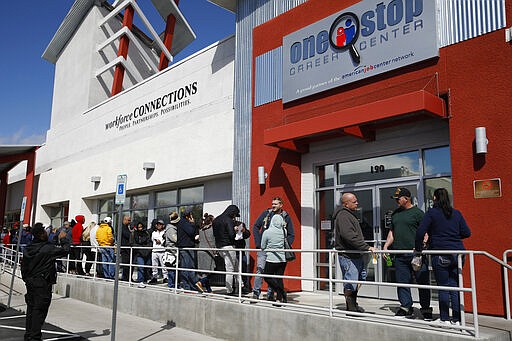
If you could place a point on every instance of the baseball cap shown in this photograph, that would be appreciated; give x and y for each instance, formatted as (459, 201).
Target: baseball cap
(160, 221)
(401, 192)
(107, 220)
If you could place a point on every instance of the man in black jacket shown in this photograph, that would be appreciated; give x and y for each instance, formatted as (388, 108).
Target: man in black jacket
(38, 270)
(125, 250)
(187, 233)
(349, 237)
(224, 233)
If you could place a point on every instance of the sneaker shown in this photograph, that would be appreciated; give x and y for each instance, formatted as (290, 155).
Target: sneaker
(444, 324)
(153, 281)
(403, 312)
(141, 285)
(427, 314)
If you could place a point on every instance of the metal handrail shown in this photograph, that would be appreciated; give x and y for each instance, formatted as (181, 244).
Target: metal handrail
(332, 312)
(505, 283)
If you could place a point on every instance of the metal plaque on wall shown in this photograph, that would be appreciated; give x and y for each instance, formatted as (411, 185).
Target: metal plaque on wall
(490, 188)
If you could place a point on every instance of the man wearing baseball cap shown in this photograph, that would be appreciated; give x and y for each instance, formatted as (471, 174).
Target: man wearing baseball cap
(404, 223)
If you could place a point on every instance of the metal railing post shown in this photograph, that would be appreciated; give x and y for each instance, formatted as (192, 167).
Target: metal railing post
(331, 255)
(130, 269)
(461, 293)
(473, 293)
(505, 280)
(240, 276)
(176, 265)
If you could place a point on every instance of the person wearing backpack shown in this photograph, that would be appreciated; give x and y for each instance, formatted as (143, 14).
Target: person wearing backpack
(261, 224)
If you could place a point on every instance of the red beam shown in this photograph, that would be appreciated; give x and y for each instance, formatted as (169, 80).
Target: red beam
(3, 195)
(29, 186)
(15, 157)
(117, 84)
(169, 34)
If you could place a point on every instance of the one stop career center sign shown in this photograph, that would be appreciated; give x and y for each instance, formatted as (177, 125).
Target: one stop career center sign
(361, 41)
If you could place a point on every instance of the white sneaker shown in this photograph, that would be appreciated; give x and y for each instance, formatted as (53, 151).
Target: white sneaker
(141, 285)
(444, 324)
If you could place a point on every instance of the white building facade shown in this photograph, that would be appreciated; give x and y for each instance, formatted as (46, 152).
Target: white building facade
(171, 133)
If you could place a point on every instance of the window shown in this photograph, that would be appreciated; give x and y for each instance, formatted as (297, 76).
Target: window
(165, 202)
(178, 200)
(437, 161)
(378, 168)
(325, 176)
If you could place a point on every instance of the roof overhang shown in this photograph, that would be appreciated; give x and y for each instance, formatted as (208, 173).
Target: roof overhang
(11, 155)
(359, 121)
(230, 5)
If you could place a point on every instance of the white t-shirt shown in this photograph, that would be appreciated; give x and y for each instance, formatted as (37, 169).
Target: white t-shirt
(158, 235)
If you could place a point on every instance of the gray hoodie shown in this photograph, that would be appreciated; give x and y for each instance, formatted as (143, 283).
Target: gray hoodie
(273, 238)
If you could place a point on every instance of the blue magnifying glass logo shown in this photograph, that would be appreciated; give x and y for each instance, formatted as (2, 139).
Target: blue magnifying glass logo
(344, 33)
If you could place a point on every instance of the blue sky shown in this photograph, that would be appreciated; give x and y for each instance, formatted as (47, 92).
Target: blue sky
(28, 26)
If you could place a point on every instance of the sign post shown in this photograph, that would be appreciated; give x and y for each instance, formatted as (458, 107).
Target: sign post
(120, 199)
(17, 258)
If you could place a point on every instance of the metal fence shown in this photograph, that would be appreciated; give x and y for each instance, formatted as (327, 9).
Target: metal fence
(9, 257)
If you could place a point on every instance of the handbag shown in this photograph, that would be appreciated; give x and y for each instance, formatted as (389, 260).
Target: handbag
(288, 255)
(416, 263)
(169, 258)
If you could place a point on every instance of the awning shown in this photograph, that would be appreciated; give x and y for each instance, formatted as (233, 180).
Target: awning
(359, 121)
(11, 155)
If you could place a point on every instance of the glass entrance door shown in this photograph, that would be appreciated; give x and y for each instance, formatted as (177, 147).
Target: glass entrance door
(374, 214)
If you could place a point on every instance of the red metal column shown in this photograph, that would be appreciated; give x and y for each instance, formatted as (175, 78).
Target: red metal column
(29, 186)
(169, 34)
(3, 195)
(117, 84)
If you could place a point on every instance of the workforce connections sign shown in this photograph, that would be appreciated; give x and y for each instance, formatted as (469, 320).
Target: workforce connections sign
(361, 41)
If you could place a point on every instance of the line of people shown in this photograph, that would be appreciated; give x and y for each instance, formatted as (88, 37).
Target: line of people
(441, 228)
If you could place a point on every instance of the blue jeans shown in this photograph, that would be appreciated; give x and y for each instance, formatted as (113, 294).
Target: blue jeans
(404, 274)
(260, 267)
(352, 270)
(189, 278)
(107, 255)
(142, 272)
(446, 273)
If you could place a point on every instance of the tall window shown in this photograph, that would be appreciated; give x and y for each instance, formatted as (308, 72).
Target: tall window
(178, 200)
(165, 202)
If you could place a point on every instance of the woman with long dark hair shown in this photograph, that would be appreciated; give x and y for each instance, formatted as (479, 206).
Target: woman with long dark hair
(446, 228)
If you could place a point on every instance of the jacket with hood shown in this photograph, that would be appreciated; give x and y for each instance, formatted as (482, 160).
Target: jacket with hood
(273, 238)
(104, 235)
(141, 238)
(224, 227)
(186, 232)
(263, 222)
(76, 232)
(348, 233)
(39, 260)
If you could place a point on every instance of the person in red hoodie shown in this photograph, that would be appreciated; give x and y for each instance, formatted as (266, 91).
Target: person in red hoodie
(76, 241)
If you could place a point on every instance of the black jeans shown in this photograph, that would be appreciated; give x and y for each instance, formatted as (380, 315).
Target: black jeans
(125, 258)
(76, 255)
(89, 256)
(275, 283)
(38, 299)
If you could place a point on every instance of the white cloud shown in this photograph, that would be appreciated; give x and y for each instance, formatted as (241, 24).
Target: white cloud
(20, 137)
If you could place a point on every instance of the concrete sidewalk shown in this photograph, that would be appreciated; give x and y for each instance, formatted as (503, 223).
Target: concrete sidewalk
(94, 323)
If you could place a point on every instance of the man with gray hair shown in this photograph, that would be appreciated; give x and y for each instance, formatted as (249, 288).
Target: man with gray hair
(349, 237)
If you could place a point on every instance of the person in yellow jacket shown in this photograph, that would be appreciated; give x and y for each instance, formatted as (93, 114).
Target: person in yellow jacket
(105, 238)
